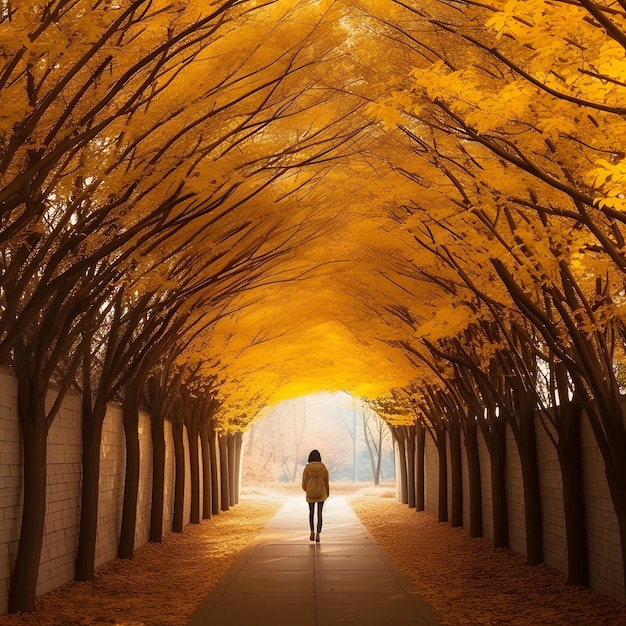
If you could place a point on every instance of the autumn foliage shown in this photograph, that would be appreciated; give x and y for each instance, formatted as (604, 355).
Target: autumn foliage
(207, 208)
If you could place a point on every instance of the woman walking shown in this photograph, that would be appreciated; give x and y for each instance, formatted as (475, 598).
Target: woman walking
(315, 484)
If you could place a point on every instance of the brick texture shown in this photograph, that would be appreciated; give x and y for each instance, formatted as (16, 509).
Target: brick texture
(63, 488)
(606, 571)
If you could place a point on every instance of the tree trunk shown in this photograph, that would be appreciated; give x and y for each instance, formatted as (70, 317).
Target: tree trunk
(195, 476)
(370, 451)
(399, 437)
(179, 481)
(442, 449)
(92, 438)
(497, 453)
(473, 473)
(379, 457)
(532, 492)
(456, 475)
(131, 485)
(568, 449)
(32, 415)
(158, 478)
(410, 465)
(420, 433)
(232, 470)
(224, 473)
(206, 473)
(238, 437)
(216, 472)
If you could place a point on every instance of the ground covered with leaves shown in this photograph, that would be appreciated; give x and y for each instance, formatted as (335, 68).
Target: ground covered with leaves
(465, 580)
(469, 582)
(163, 584)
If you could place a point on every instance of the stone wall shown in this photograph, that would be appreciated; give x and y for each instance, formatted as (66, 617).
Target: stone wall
(64, 483)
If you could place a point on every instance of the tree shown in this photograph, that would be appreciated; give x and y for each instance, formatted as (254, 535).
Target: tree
(435, 189)
(375, 431)
(162, 388)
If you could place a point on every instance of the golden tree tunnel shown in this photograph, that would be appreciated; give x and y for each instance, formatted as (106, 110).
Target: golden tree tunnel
(221, 206)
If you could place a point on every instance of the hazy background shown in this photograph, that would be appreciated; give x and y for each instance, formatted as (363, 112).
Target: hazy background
(277, 445)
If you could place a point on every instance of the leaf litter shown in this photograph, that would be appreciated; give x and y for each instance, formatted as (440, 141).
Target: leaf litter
(465, 580)
(468, 581)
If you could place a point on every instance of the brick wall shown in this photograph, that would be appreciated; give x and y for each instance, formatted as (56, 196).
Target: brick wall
(111, 489)
(602, 529)
(515, 496)
(64, 483)
(170, 478)
(555, 545)
(63, 495)
(606, 572)
(466, 495)
(142, 530)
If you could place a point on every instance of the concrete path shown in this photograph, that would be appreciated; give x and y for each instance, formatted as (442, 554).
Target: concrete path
(287, 580)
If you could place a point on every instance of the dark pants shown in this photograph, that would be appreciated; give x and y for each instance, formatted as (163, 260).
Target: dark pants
(320, 505)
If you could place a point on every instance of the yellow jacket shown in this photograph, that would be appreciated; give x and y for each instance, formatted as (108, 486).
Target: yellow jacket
(315, 482)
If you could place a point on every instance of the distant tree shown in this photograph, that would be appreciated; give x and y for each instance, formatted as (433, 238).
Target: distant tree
(299, 426)
(375, 432)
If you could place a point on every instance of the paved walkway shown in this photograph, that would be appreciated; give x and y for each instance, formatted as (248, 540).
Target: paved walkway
(287, 580)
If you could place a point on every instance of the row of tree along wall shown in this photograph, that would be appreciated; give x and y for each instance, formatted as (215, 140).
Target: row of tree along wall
(187, 498)
(435, 478)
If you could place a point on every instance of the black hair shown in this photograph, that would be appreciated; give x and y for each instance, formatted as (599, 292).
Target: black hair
(315, 456)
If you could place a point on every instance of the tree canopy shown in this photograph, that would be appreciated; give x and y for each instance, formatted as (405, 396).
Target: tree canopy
(221, 205)
(316, 186)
